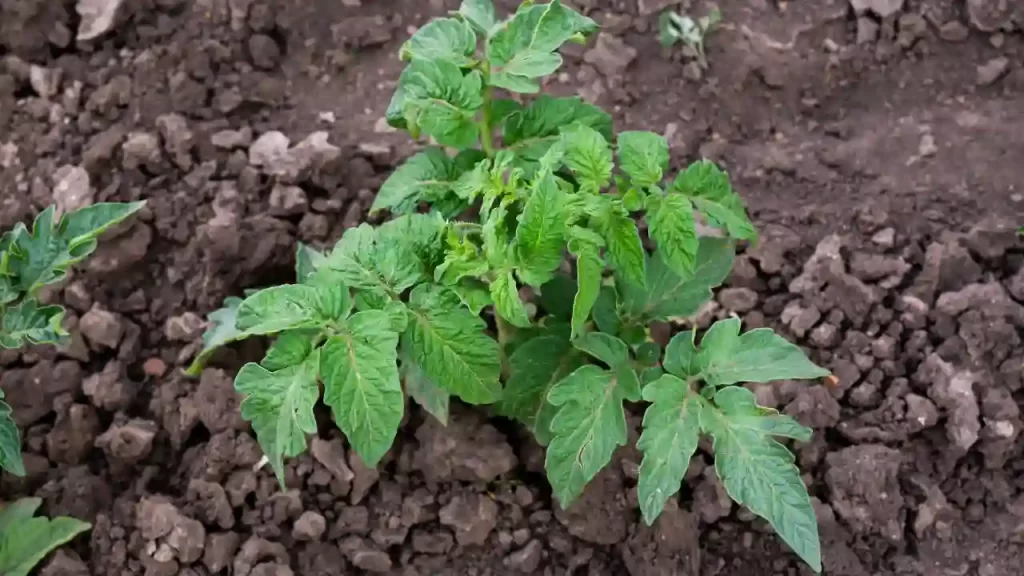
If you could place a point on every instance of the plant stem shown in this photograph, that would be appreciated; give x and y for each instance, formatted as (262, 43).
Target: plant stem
(486, 138)
(504, 330)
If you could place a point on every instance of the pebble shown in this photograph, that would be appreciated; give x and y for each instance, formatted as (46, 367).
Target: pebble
(102, 328)
(72, 189)
(993, 70)
(309, 527)
(97, 17)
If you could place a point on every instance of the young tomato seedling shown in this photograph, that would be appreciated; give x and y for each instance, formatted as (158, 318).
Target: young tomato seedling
(30, 260)
(674, 28)
(543, 195)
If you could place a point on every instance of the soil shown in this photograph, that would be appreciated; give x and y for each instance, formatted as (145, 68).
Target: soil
(876, 142)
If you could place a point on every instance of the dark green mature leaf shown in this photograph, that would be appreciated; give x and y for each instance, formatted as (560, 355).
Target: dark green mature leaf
(625, 249)
(671, 225)
(436, 97)
(442, 39)
(449, 343)
(280, 407)
(424, 391)
(681, 356)
(669, 439)
(604, 347)
(427, 176)
(589, 267)
(10, 442)
(479, 13)
(759, 355)
(606, 313)
(531, 131)
(289, 349)
(758, 472)
(292, 306)
(508, 305)
(708, 187)
(556, 296)
(669, 295)
(589, 425)
(588, 155)
(359, 367)
(30, 323)
(643, 156)
(33, 539)
(222, 331)
(522, 48)
(536, 366)
(540, 235)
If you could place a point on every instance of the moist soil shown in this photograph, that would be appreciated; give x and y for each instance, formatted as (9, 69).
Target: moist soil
(878, 144)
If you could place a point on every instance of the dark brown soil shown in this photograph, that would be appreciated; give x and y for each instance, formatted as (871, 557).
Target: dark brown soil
(880, 155)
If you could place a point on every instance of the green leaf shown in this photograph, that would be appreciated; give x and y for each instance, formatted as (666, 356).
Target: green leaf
(30, 323)
(681, 356)
(10, 443)
(605, 312)
(417, 238)
(292, 306)
(385, 261)
(535, 367)
(14, 513)
(588, 155)
(589, 425)
(669, 440)
(473, 294)
(33, 540)
(708, 187)
(540, 235)
(758, 472)
(505, 294)
(449, 343)
(643, 156)
(427, 176)
(461, 261)
(522, 47)
(289, 349)
(625, 249)
(280, 407)
(556, 296)
(442, 39)
(671, 225)
(589, 268)
(424, 391)
(434, 96)
(604, 347)
(398, 316)
(307, 261)
(479, 13)
(670, 295)
(221, 332)
(530, 131)
(359, 367)
(759, 355)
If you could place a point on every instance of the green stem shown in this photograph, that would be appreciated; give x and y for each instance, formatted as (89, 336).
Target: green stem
(486, 138)
(504, 331)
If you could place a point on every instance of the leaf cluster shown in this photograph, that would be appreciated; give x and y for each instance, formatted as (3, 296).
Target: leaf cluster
(674, 28)
(26, 539)
(514, 274)
(29, 260)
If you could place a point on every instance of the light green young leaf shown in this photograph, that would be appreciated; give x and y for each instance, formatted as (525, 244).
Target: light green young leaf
(540, 235)
(588, 155)
(508, 305)
(22, 548)
(280, 407)
(759, 355)
(428, 175)
(464, 261)
(436, 97)
(30, 323)
(535, 367)
(522, 47)
(643, 156)
(670, 295)
(442, 39)
(669, 440)
(10, 442)
(385, 260)
(359, 367)
(449, 343)
(589, 425)
(473, 294)
(414, 237)
(289, 349)
(589, 268)
(758, 472)
(530, 131)
(430, 396)
(708, 187)
(671, 225)
(604, 347)
(681, 356)
(292, 306)
(221, 332)
(307, 261)
(625, 249)
(479, 13)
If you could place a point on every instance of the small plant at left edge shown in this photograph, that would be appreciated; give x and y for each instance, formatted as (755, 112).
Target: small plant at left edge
(29, 260)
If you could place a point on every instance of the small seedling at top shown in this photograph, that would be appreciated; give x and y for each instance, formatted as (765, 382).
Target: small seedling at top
(674, 28)
(536, 192)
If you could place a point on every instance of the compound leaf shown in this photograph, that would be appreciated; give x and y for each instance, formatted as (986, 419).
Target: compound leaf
(643, 156)
(280, 407)
(479, 13)
(588, 155)
(442, 39)
(708, 187)
(436, 97)
(30, 323)
(222, 331)
(589, 425)
(292, 306)
(671, 430)
(10, 442)
(604, 347)
(760, 355)
(671, 225)
(535, 367)
(760, 473)
(449, 343)
(359, 367)
(540, 235)
(33, 539)
(387, 260)
(428, 175)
